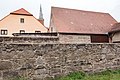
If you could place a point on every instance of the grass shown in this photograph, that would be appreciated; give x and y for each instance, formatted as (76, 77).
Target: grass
(18, 78)
(105, 75)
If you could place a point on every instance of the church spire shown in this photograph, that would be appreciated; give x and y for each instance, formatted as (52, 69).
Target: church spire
(41, 14)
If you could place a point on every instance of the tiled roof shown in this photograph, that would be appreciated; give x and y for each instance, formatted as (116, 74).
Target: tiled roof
(116, 27)
(21, 11)
(79, 21)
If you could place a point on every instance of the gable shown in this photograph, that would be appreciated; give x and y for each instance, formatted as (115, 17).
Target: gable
(21, 11)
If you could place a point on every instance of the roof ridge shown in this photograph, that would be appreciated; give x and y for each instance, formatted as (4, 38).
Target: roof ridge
(21, 11)
(79, 10)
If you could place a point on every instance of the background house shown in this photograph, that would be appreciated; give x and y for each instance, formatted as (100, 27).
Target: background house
(21, 21)
(114, 33)
(81, 26)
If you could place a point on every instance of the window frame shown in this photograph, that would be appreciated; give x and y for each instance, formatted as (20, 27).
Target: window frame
(22, 20)
(22, 31)
(51, 29)
(37, 31)
(4, 32)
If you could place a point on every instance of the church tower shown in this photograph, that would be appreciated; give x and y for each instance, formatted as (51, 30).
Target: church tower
(41, 19)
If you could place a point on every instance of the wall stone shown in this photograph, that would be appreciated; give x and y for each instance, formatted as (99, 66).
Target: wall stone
(40, 61)
(5, 65)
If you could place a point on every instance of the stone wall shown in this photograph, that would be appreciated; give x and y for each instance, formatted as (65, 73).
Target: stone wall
(65, 37)
(39, 61)
(61, 37)
(28, 40)
(74, 38)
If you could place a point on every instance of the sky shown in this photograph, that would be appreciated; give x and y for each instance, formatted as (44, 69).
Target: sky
(108, 6)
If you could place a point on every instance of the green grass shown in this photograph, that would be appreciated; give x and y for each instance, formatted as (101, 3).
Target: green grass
(18, 78)
(105, 75)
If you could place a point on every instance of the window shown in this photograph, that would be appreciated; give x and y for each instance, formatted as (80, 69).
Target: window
(37, 31)
(22, 31)
(4, 32)
(51, 29)
(21, 20)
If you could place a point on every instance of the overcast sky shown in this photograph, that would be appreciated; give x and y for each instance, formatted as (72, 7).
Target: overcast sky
(108, 6)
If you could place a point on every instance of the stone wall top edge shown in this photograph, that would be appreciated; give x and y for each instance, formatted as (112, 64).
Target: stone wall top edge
(29, 37)
(66, 43)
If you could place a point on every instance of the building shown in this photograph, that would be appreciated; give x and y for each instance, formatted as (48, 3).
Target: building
(41, 19)
(80, 26)
(114, 33)
(21, 21)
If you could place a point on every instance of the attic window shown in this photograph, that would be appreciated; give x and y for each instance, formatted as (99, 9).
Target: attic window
(4, 32)
(21, 20)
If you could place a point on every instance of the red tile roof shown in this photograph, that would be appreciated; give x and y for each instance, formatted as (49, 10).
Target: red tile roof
(116, 27)
(79, 21)
(21, 11)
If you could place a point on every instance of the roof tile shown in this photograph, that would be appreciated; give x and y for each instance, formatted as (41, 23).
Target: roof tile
(79, 21)
(116, 27)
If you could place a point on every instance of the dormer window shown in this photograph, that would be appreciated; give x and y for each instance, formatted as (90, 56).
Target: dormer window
(21, 20)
